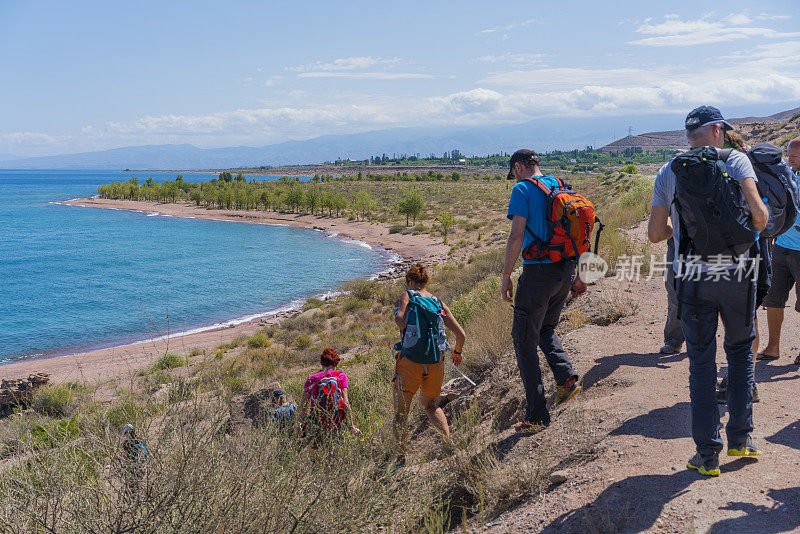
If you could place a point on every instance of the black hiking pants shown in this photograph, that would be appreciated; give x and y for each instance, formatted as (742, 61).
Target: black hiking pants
(541, 293)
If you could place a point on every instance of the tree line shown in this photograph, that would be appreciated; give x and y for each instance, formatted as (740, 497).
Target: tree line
(315, 197)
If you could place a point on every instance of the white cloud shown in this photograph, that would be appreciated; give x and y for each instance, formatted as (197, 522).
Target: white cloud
(787, 52)
(474, 101)
(366, 75)
(705, 30)
(31, 138)
(510, 26)
(520, 60)
(347, 63)
(769, 16)
(544, 79)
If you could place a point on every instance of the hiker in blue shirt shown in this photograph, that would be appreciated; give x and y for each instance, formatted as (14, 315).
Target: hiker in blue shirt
(785, 273)
(541, 292)
(283, 414)
(702, 297)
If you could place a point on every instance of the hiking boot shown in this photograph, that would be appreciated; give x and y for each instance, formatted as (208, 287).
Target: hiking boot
(529, 427)
(756, 398)
(568, 390)
(797, 360)
(670, 349)
(705, 466)
(748, 449)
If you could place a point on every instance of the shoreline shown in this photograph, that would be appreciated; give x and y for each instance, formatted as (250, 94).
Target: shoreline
(123, 360)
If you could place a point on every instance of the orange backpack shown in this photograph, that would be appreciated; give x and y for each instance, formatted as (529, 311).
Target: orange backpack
(570, 220)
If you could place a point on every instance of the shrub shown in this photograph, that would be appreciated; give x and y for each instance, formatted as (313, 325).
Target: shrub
(362, 288)
(302, 341)
(123, 412)
(396, 228)
(45, 436)
(54, 400)
(312, 303)
(236, 384)
(170, 360)
(420, 229)
(300, 323)
(181, 389)
(630, 168)
(352, 304)
(259, 340)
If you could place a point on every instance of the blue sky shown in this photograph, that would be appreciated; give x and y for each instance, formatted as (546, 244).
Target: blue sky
(83, 75)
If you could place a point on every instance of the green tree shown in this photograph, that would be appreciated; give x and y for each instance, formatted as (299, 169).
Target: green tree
(294, 198)
(312, 199)
(411, 204)
(447, 220)
(196, 196)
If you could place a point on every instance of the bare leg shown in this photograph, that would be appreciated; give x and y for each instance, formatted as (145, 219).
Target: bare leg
(402, 405)
(435, 416)
(774, 324)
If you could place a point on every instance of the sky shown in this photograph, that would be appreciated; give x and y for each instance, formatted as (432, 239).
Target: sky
(91, 75)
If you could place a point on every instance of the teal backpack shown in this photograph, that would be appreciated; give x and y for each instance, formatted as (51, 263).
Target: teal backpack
(424, 338)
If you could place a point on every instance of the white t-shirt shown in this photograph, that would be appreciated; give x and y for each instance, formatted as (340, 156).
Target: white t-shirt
(737, 166)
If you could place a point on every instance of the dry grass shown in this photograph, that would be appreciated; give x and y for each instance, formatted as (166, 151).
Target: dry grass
(62, 469)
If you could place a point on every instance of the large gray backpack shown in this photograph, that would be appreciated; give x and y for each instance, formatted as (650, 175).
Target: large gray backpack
(777, 187)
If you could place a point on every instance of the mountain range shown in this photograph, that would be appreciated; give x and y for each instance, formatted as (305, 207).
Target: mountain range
(541, 134)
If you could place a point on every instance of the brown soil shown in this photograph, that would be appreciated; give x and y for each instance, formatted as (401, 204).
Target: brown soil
(636, 401)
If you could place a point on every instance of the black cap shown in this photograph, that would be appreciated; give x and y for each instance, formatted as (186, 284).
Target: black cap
(524, 155)
(705, 115)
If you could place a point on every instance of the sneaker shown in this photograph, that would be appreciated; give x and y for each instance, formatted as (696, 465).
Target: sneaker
(748, 449)
(529, 427)
(705, 466)
(670, 349)
(566, 392)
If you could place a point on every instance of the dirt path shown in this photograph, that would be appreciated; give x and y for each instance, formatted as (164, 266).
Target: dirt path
(639, 400)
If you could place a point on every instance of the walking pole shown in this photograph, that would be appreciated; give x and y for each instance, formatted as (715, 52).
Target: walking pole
(462, 374)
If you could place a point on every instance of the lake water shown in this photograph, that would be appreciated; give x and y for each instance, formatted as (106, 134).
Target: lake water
(73, 277)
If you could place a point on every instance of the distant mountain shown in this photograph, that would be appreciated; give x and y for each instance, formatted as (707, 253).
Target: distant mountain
(540, 134)
(676, 139)
(543, 135)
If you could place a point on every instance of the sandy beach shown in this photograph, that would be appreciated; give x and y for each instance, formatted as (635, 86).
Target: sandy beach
(122, 362)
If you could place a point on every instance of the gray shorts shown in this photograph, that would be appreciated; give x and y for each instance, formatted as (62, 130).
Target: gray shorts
(785, 274)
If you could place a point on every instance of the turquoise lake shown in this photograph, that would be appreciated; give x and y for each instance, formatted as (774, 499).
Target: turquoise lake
(75, 278)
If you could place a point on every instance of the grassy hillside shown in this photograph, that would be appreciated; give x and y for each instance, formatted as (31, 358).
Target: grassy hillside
(212, 469)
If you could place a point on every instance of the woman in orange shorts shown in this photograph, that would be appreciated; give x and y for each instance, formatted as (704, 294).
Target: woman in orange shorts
(419, 365)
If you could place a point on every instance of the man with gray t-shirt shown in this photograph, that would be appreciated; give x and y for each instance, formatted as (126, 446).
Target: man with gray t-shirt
(711, 293)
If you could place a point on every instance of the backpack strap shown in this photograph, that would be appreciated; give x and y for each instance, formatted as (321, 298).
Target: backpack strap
(724, 153)
(543, 187)
(597, 235)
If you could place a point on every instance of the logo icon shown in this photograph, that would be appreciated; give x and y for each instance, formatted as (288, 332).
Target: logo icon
(591, 267)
